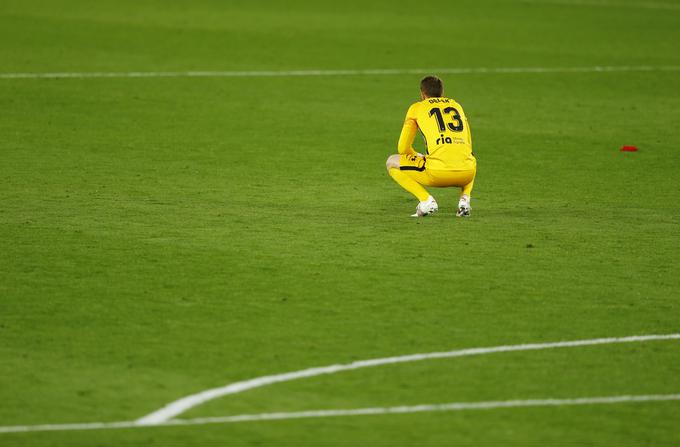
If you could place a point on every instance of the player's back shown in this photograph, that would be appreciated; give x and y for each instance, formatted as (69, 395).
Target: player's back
(444, 125)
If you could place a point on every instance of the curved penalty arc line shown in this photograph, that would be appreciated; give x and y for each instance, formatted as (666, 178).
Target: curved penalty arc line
(174, 409)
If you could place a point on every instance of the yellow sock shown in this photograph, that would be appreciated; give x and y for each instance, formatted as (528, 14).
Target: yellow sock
(409, 184)
(467, 189)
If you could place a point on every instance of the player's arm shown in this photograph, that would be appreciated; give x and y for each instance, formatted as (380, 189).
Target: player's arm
(408, 133)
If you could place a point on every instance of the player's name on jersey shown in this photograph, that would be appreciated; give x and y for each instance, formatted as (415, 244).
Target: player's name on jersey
(439, 100)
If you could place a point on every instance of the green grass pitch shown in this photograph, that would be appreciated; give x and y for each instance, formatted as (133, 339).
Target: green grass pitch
(162, 236)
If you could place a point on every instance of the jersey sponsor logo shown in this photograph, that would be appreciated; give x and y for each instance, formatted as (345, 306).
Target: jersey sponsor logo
(448, 140)
(444, 140)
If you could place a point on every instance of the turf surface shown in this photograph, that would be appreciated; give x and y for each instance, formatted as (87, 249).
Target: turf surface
(161, 236)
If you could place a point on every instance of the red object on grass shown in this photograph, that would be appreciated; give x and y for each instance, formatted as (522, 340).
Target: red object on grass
(629, 149)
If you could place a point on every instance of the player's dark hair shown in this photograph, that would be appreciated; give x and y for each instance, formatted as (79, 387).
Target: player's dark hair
(432, 86)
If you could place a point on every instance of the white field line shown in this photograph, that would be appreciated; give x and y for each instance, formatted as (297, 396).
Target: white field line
(608, 4)
(309, 73)
(174, 409)
(456, 406)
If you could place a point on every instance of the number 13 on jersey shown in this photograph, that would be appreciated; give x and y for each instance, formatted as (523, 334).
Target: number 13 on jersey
(456, 123)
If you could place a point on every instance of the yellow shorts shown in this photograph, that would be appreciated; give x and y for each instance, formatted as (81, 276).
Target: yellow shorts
(416, 168)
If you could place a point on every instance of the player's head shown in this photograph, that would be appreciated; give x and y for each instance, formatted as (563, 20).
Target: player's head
(431, 87)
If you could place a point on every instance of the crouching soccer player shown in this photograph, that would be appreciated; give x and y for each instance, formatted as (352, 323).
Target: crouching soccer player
(449, 160)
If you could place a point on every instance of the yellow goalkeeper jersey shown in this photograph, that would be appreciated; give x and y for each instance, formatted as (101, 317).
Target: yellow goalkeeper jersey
(445, 128)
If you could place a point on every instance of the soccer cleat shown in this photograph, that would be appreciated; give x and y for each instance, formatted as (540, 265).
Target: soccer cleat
(463, 209)
(426, 208)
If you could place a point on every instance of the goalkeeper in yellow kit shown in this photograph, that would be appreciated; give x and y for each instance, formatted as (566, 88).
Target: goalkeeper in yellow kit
(449, 160)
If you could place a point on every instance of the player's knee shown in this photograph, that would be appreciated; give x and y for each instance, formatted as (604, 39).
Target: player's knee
(392, 162)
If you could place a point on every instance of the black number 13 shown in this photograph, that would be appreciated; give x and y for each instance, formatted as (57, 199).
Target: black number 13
(456, 124)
